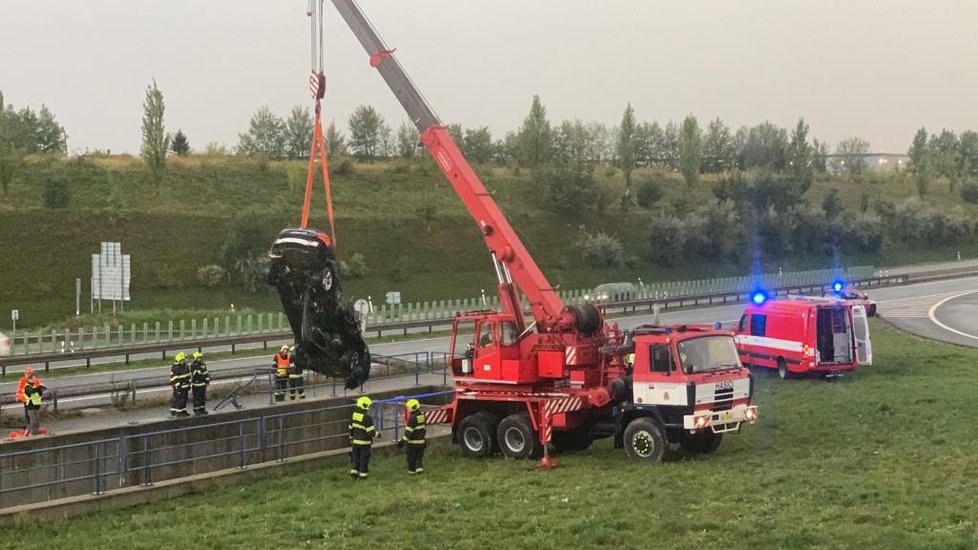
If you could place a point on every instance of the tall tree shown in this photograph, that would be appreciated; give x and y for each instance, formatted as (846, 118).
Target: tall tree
(335, 140)
(298, 133)
(717, 147)
(179, 144)
(367, 129)
(265, 136)
(918, 148)
(49, 136)
(968, 154)
(535, 137)
(800, 155)
(626, 145)
(477, 145)
(156, 141)
(568, 182)
(820, 156)
(669, 150)
(852, 155)
(690, 150)
(762, 146)
(407, 140)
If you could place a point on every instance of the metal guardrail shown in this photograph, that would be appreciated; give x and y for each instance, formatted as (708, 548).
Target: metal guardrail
(123, 392)
(94, 467)
(615, 303)
(240, 328)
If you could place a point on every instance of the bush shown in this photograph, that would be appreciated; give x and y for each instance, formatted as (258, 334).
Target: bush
(667, 240)
(210, 276)
(342, 167)
(355, 268)
(649, 192)
(247, 236)
(251, 273)
(601, 250)
(56, 193)
(969, 192)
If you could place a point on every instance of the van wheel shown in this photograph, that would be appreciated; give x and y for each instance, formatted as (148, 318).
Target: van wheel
(783, 372)
(517, 438)
(645, 440)
(701, 442)
(476, 436)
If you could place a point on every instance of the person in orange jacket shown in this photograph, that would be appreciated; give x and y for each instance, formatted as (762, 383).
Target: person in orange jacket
(21, 398)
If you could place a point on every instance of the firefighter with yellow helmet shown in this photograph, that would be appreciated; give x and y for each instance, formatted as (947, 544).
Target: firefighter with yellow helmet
(414, 436)
(362, 435)
(180, 382)
(281, 371)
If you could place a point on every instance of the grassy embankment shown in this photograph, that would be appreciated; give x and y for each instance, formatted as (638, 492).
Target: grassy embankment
(403, 217)
(884, 458)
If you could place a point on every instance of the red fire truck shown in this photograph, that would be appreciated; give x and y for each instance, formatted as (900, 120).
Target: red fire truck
(803, 334)
(566, 377)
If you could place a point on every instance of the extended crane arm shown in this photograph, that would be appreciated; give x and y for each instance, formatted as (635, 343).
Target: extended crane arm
(511, 256)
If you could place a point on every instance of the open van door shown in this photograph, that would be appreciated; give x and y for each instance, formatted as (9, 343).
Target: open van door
(860, 327)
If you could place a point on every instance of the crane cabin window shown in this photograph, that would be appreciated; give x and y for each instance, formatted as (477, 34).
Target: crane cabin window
(508, 333)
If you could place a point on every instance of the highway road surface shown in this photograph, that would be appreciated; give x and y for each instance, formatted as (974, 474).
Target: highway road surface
(940, 309)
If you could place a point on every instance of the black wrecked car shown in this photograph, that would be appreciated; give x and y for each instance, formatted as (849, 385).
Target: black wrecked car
(305, 271)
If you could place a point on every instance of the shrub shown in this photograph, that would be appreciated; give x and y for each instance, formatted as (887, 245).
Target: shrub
(648, 193)
(667, 240)
(601, 250)
(355, 268)
(56, 193)
(210, 276)
(342, 167)
(251, 273)
(969, 192)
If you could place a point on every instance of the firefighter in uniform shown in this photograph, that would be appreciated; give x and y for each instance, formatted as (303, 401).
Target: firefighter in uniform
(22, 398)
(414, 436)
(33, 391)
(199, 380)
(296, 382)
(282, 360)
(362, 435)
(180, 381)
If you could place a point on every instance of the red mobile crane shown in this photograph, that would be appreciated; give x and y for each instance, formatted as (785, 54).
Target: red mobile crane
(567, 377)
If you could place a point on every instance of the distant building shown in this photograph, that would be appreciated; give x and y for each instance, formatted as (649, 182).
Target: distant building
(885, 162)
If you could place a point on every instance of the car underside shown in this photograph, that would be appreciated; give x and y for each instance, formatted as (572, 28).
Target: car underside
(305, 271)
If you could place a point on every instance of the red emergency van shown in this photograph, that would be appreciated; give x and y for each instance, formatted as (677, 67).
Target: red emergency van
(803, 334)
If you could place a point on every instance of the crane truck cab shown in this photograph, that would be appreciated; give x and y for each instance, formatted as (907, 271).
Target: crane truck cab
(688, 387)
(805, 335)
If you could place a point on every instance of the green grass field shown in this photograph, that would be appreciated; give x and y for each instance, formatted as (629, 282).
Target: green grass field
(885, 458)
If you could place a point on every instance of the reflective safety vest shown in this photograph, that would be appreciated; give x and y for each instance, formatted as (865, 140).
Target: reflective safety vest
(33, 396)
(362, 431)
(180, 376)
(414, 431)
(282, 364)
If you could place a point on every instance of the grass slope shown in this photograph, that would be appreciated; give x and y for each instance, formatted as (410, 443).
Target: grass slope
(403, 217)
(884, 458)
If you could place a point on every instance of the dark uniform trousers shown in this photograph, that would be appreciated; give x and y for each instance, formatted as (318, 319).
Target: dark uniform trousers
(362, 434)
(199, 379)
(180, 380)
(414, 438)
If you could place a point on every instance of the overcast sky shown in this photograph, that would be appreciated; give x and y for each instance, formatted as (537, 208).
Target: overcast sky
(874, 68)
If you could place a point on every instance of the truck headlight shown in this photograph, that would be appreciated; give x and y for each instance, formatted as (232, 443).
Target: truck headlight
(751, 414)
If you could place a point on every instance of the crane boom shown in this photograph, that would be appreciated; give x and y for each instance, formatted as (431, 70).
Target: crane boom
(514, 265)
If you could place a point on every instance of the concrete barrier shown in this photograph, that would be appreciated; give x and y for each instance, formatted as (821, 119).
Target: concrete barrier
(84, 463)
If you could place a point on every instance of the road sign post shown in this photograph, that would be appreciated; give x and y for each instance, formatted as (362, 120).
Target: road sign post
(14, 316)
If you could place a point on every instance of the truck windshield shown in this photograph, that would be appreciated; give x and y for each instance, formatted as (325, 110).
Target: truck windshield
(708, 353)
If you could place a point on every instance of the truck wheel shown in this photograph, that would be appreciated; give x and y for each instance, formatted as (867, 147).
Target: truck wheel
(783, 372)
(577, 439)
(517, 438)
(701, 442)
(475, 435)
(645, 440)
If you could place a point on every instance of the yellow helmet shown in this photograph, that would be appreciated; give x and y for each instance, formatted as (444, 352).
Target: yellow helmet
(413, 404)
(364, 403)
(180, 356)
(197, 355)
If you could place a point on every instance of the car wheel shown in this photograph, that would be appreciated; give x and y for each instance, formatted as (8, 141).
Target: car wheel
(645, 440)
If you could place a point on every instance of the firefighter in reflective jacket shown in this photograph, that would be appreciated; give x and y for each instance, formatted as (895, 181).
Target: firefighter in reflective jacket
(282, 360)
(296, 382)
(362, 435)
(199, 380)
(180, 381)
(414, 436)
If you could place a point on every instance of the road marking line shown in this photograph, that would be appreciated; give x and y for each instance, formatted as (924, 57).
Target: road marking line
(934, 320)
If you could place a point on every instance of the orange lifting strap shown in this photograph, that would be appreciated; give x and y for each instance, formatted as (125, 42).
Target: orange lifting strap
(318, 144)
